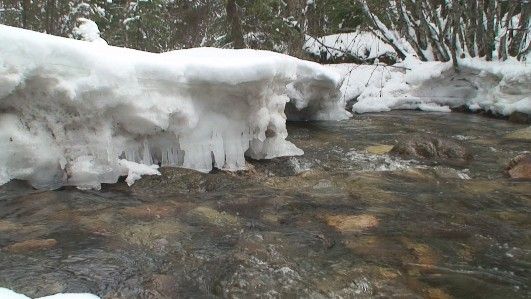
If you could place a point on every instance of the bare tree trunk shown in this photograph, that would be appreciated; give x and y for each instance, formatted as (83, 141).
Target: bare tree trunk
(517, 48)
(503, 46)
(297, 11)
(455, 18)
(236, 31)
(489, 40)
(26, 5)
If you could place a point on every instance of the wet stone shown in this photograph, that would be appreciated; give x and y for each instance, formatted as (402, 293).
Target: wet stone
(520, 117)
(351, 223)
(431, 147)
(423, 253)
(31, 245)
(172, 180)
(99, 224)
(450, 173)
(282, 167)
(151, 211)
(6, 225)
(154, 235)
(207, 215)
(520, 135)
(376, 248)
(379, 149)
(520, 167)
(434, 293)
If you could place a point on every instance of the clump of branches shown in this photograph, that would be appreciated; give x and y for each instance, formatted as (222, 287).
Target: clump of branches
(445, 30)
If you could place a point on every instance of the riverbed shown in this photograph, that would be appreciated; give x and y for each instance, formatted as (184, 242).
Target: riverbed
(345, 220)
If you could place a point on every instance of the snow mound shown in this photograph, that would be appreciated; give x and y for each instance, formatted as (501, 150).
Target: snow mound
(499, 87)
(362, 45)
(88, 31)
(80, 113)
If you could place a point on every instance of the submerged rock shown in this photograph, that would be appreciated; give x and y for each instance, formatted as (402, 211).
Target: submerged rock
(154, 235)
(206, 215)
(351, 223)
(520, 135)
(520, 117)
(379, 149)
(431, 147)
(6, 225)
(31, 245)
(449, 173)
(520, 167)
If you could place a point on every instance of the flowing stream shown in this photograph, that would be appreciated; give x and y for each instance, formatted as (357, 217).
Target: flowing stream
(345, 220)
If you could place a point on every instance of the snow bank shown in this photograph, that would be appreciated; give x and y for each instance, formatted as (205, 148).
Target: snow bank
(499, 87)
(88, 31)
(80, 113)
(362, 45)
(8, 294)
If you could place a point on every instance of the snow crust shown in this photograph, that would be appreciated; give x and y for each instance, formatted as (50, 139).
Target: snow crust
(9, 294)
(499, 87)
(80, 113)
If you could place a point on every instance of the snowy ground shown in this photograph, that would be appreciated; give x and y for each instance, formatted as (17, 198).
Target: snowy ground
(499, 87)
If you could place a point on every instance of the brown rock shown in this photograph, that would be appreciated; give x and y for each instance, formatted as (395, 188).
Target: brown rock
(520, 167)
(31, 245)
(520, 117)
(422, 253)
(150, 211)
(207, 215)
(376, 248)
(351, 223)
(165, 286)
(6, 225)
(153, 234)
(520, 135)
(431, 147)
(433, 293)
(379, 149)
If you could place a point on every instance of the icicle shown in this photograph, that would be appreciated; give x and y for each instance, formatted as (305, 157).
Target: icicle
(146, 156)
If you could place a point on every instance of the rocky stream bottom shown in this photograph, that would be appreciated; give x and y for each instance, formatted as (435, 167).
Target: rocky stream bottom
(437, 216)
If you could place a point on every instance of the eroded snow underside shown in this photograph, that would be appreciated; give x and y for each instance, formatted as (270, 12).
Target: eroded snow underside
(79, 113)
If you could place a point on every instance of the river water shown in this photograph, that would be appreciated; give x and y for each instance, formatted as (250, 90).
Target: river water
(345, 220)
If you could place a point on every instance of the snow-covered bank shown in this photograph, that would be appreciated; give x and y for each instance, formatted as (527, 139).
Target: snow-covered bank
(359, 45)
(80, 113)
(499, 87)
(8, 294)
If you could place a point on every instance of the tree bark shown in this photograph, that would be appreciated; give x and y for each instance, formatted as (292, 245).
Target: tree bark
(236, 31)
(26, 4)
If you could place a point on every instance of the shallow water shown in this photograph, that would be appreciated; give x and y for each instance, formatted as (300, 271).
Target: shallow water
(337, 222)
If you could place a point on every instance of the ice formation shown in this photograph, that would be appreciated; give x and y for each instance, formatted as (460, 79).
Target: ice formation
(79, 113)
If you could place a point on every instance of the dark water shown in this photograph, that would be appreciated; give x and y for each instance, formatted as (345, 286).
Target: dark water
(338, 222)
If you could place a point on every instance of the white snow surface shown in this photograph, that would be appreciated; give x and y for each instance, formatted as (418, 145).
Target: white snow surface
(499, 87)
(80, 113)
(360, 44)
(88, 31)
(9, 294)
